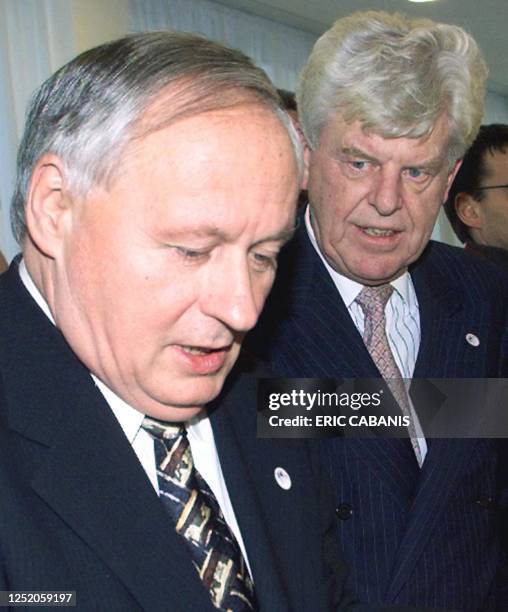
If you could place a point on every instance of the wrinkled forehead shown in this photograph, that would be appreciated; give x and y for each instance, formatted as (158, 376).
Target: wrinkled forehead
(176, 104)
(189, 97)
(337, 123)
(337, 133)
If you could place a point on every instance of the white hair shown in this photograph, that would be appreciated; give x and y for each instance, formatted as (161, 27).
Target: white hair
(396, 76)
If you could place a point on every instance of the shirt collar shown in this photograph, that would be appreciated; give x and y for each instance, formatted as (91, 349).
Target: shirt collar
(350, 289)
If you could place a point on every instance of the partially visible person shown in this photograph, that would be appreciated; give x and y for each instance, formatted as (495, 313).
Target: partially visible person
(289, 103)
(477, 205)
(157, 180)
(389, 105)
(3, 263)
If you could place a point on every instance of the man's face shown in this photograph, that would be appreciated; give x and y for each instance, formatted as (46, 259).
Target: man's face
(163, 272)
(374, 200)
(493, 208)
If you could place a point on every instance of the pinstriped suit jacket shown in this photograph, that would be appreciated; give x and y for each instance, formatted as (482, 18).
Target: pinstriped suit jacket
(422, 537)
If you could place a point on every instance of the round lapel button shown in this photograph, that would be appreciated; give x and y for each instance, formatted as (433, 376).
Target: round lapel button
(282, 478)
(472, 340)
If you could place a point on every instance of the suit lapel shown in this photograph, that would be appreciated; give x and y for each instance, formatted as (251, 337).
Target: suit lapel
(439, 301)
(328, 342)
(95, 483)
(442, 470)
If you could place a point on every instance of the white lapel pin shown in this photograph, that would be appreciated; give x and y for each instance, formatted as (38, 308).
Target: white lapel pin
(282, 478)
(472, 339)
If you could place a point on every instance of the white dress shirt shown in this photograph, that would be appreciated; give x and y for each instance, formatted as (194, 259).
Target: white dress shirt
(402, 319)
(199, 433)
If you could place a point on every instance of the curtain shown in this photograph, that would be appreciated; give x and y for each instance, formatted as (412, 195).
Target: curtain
(279, 49)
(34, 40)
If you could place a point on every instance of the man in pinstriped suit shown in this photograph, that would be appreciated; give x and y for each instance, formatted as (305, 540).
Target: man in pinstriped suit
(389, 106)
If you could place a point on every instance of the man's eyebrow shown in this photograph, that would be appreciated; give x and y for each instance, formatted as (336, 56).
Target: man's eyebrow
(354, 152)
(283, 236)
(433, 163)
(207, 231)
(214, 232)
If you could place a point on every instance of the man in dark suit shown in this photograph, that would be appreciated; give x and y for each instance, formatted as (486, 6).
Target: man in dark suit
(157, 181)
(388, 107)
(477, 205)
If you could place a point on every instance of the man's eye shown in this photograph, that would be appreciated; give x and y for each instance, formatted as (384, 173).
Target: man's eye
(415, 173)
(358, 164)
(265, 262)
(191, 254)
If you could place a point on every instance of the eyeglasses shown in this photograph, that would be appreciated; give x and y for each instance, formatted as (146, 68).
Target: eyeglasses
(492, 187)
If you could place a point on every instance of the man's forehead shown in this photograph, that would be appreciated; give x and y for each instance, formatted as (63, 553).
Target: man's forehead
(341, 128)
(497, 161)
(353, 138)
(185, 99)
(184, 136)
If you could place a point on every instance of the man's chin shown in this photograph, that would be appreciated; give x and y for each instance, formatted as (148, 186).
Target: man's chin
(187, 399)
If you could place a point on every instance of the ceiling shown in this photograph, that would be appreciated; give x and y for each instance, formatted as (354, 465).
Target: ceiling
(486, 20)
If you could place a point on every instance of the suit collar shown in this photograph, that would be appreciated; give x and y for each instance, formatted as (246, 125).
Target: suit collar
(439, 299)
(434, 283)
(316, 307)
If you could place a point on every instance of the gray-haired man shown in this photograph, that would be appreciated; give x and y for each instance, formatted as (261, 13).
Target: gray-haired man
(389, 106)
(157, 181)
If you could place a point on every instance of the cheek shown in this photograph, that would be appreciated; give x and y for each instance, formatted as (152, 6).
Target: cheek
(422, 216)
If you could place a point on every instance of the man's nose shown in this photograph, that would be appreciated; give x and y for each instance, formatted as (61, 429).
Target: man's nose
(386, 192)
(232, 299)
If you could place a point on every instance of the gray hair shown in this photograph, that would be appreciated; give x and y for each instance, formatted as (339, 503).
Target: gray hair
(396, 76)
(90, 109)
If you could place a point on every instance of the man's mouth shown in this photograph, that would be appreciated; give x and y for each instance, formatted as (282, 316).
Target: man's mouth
(200, 350)
(376, 231)
(203, 359)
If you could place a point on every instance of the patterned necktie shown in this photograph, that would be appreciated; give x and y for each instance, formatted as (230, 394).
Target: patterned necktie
(372, 301)
(199, 519)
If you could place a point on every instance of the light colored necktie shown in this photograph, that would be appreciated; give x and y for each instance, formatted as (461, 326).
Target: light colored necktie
(199, 519)
(372, 301)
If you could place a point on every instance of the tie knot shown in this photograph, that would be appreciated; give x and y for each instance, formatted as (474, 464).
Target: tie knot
(163, 430)
(374, 299)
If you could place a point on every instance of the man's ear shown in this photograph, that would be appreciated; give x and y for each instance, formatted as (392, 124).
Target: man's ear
(306, 163)
(451, 177)
(469, 210)
(47, 205)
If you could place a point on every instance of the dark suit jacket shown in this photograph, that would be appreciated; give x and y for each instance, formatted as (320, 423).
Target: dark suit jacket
(422, 537)
(496, 255)
(77, 511)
